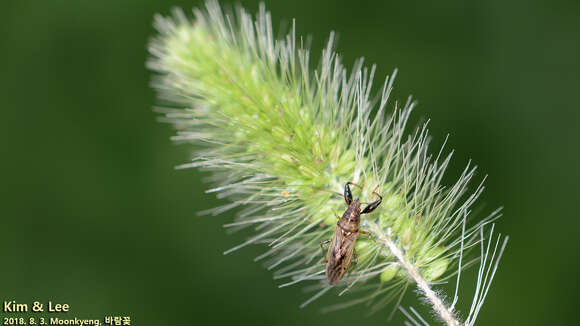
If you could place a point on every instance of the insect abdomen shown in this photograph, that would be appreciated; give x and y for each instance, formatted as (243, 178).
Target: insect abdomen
(340, 254)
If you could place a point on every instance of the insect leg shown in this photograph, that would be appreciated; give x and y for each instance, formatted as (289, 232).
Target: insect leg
(355, 261)
(347, 193)
(330, 191)
(372, 206)
(355, 184)
(322, 248)
(336, 193)
(369, 234)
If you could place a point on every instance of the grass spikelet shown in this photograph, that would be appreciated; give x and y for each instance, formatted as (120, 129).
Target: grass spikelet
(280, 138)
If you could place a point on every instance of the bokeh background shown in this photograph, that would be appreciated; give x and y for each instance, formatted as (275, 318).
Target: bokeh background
(93, 213)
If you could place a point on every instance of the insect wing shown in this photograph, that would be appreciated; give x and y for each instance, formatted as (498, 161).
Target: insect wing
(339, 255)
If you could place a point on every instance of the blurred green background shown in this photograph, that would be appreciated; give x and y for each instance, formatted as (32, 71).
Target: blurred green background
(94, 215)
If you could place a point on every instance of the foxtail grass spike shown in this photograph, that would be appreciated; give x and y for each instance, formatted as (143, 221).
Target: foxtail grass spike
(282, 139)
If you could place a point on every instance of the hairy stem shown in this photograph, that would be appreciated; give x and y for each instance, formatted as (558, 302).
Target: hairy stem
(440, 308)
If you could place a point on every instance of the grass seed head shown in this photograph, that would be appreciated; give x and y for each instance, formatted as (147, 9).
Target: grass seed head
(280, 136)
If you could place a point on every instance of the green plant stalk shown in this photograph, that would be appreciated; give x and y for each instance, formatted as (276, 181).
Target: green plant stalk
(281, 139)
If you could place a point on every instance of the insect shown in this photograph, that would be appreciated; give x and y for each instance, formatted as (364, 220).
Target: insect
(341, 249)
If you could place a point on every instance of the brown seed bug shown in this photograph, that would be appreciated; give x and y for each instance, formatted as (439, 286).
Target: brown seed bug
(341, 249)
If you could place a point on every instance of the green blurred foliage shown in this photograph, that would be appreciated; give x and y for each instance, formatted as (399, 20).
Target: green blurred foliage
(94, 215)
